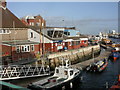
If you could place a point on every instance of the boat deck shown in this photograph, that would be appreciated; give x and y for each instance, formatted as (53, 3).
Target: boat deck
(49, 82)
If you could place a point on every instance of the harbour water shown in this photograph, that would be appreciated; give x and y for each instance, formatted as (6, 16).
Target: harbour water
(90, 80)
(100, 80)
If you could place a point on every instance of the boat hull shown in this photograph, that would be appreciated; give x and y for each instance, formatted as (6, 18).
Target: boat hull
(114, 56)
(94, 68)
(61, 85)
(103, 67)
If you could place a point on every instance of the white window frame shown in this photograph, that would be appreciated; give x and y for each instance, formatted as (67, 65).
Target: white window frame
(18, 49)
(25, 48)
(31, 35)
(32, 47)
(6, 31)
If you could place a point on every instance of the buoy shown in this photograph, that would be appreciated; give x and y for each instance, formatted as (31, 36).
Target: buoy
(71, 85)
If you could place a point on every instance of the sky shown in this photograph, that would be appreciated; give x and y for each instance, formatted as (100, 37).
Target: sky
(87, 17)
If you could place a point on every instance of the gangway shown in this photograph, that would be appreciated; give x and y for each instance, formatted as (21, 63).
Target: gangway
(22, 71)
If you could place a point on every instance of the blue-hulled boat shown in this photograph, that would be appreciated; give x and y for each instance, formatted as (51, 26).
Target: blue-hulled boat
(114, 56)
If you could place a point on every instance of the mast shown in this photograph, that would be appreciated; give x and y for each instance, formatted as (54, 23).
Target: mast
(93, 55)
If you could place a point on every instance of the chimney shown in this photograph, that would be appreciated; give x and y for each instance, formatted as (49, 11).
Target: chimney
(3, 3)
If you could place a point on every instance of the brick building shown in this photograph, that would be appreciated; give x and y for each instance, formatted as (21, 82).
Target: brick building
(34, 21)
(17, 41)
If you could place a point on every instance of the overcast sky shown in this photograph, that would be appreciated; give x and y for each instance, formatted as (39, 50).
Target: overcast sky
(87, 17)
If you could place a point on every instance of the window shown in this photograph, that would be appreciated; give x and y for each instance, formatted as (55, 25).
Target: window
(65, 72)
(32, 23)
(18, 49)
(77, 42)
(58, 34)
(28, 48)
(25, 48)
(7, 31)
(71, 73)
(0, 31)
(67, 33)
(55, 34)
(22, 48)
(57, 71)
(31, 35)
(32, 47)
(85, 42)
(4, 31)
(50, 33)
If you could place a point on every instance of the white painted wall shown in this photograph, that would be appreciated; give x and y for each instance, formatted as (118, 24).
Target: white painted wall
(36, 36)
(45, 40)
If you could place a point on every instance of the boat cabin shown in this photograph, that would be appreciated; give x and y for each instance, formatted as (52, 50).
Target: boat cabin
(63, 72)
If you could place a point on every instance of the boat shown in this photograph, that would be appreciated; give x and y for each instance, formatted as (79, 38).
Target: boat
(98, 66)
(116, 86)
(114, 56)
(63, 76)
(116, 49)
(106, 41)
(103, 46)
(116, 44)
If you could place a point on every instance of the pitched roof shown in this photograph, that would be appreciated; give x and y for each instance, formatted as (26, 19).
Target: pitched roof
(7, 18)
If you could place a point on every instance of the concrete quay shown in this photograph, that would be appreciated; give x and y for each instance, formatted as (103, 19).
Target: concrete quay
(82, 65)
(75, 56)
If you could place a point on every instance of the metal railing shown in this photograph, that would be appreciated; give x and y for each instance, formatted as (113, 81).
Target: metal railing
(22, 71)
